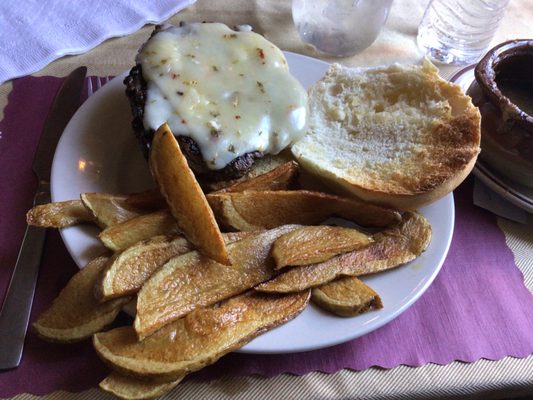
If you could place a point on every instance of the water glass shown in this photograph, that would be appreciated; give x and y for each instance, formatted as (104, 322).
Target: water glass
(340, 27)
(459, 31)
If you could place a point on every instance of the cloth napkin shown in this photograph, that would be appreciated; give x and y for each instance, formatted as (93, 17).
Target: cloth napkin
(478, 306)
(33, 32)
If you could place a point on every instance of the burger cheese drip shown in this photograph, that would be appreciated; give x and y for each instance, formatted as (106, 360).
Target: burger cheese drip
(231, 92)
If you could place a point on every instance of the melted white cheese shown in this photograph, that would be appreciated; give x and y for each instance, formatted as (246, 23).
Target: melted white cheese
(229, 91)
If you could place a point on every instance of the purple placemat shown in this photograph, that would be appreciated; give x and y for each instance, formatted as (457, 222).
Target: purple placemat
(478, 307)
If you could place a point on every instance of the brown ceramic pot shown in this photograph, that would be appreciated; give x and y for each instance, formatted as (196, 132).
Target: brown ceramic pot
(503, 91)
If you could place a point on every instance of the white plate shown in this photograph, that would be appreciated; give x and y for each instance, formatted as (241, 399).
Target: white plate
(519, 195)
(98, 152)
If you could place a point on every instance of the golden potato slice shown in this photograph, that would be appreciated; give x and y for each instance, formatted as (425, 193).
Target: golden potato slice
(282, 177)
(59, 215)
(109, 209)
(252, 210)
(391, 248)
(106, 208)
(192, 280)
(127, 271)
(75, 314)
(199, 339)
(121, 236)
(128, 388)
(261, 166)
(314, 244)
(185, 197)
(347, 296)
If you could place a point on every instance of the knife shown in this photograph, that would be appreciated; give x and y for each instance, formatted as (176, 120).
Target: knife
(16, 309)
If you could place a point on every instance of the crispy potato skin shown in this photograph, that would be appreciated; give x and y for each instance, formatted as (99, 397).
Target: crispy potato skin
(314, 244)
(110, 209)
(104, 209)
(121, 236)
(59, 215)
(127, 388)
(282, 177)
(199, 339)
(185, 197)
(76, 314)
(192, 280)
(347, 297)
(251, 210)
(391, 248)
(127, 271)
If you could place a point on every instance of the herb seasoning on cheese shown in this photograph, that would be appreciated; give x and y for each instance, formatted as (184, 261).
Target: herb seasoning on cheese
(231, 92)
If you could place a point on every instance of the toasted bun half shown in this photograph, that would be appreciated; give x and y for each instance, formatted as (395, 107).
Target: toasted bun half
(399, 136)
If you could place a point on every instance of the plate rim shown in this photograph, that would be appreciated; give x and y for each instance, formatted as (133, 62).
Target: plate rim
(447, 202)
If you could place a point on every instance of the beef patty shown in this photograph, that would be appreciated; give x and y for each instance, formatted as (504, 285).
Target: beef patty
(136, 93)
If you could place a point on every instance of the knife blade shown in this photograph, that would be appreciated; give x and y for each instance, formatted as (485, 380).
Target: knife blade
(16, 309)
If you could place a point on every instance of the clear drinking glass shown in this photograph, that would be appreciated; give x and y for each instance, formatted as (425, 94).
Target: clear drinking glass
(340, 27)
(459, 31)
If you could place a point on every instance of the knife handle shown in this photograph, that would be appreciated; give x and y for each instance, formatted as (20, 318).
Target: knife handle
(15, 313)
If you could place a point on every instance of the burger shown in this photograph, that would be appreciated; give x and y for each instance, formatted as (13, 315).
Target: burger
(226, 94)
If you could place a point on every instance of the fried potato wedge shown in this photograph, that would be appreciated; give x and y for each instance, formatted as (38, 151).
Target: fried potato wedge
(314, 244)
(59, 215)
(193, 280)
(391, 248)
(121, 236)
(185, 197)
(128, 388)
(252, 210)
(128, 270)
(347, 296)
(75, 314)
(282, 177)
(198, 339)
(109, 209)
(261, 166)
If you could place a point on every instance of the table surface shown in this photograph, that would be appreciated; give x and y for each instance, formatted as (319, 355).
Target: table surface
(506, 378)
